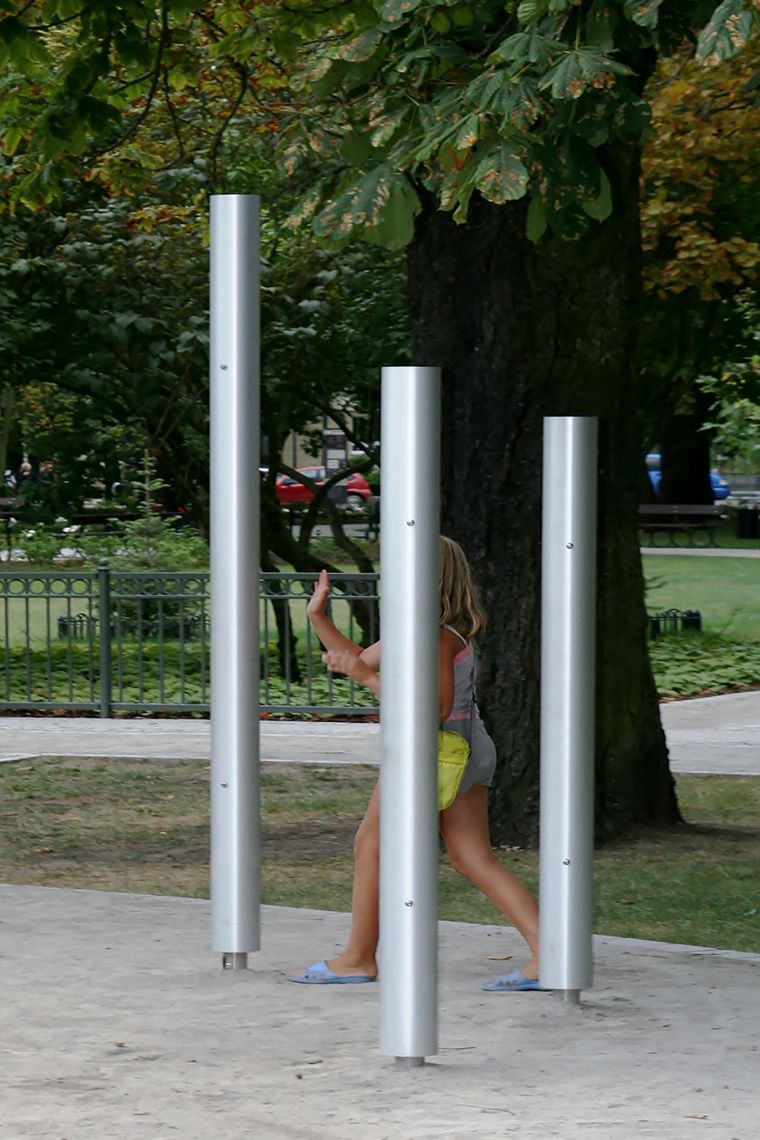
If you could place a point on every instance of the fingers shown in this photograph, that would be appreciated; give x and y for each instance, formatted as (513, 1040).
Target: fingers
(320, 594)
(322, 584)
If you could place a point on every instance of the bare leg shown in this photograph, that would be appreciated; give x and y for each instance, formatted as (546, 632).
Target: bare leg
(465, 829)
(359, 954)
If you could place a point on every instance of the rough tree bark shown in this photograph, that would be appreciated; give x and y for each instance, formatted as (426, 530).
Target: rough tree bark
(524, 331)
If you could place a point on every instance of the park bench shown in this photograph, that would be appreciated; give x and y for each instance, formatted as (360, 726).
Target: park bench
(672, 519)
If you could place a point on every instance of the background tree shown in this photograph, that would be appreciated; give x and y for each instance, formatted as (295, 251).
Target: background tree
(122, 353)
(701, 240)
(135, 113)
(734, 396)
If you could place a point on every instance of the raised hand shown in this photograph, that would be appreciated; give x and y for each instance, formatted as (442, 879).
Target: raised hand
(321, 595)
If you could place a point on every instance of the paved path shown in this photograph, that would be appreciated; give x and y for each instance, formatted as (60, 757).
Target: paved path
(719, 735)
(711, 734)
(290, 742)
(703, 551)
(119, 1024)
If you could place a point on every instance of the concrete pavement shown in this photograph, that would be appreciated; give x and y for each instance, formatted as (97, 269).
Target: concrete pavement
(292, 741)
(714, 735)
(704, 551)
(118, 1024)
(710, 734)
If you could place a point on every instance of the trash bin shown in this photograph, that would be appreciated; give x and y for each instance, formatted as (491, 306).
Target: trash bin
(747, 522)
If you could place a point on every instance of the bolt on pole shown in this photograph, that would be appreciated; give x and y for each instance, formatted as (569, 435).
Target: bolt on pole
(568, 605)
(235, 431)
(409, 615)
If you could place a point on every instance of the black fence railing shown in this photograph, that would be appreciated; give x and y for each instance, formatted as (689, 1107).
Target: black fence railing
(123, 641)
(673, 621)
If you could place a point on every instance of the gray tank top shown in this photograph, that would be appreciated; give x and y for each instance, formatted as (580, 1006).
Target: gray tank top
(464, 705)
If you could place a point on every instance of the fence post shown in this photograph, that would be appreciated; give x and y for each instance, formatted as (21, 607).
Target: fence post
(104, 615)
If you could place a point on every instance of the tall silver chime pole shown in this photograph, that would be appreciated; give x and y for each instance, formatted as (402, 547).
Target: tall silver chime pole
(234, 384)
(409, 614)
(567, 702)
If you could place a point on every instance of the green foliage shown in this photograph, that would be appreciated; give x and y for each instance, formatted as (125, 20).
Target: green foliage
(151, 542)
(157, 673)
(79, 85)
(686, 665)
(40, 543)
(735, 396)
(125, 356)
(378, 98)
(728, 31)
(329, 321)
(463, 101)
(696, 664)
(701, 241)
(123, 360)
(383, 201)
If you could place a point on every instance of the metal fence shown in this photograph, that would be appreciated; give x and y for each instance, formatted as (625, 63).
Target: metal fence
(124, 641)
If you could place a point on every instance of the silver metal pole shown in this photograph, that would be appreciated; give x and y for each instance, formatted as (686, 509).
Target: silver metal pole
(234, 383)
(567, 702)
(409, 612)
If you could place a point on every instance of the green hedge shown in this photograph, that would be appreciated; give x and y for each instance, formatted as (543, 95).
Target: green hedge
(684, 665)
(70, 673)
(694, 664)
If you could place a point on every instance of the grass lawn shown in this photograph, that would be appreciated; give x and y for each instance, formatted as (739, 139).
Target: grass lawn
(35, 619)
(142, 827)
(726, 591)
(725, 535)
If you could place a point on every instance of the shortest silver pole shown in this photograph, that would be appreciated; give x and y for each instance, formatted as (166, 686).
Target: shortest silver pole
(568, 595)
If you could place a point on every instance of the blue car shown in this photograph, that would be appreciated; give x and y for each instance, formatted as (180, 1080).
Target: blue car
(720, 488)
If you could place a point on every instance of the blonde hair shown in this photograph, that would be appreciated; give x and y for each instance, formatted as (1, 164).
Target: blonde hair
(459, 598)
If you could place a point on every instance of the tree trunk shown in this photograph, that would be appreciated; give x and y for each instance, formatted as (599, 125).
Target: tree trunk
(523, 331)
(685, 460)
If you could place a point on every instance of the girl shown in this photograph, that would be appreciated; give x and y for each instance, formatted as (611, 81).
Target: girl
(464, 824)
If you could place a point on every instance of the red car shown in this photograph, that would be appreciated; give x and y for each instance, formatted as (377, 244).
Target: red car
(354, 490)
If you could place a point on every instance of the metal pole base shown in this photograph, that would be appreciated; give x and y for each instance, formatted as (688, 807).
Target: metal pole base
(409, 1062)
(572, 997)
(234, 961)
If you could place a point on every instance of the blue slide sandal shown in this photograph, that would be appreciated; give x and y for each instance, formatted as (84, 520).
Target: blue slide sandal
(516, 982)
(320, 974)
